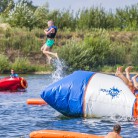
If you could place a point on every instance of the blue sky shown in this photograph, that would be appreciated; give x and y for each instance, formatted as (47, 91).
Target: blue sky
(79, 4)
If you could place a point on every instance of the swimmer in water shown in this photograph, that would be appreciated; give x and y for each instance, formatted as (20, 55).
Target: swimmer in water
(13, 74)
(115, 133)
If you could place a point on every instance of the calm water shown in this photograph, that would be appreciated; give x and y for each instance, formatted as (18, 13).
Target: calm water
(17, 119)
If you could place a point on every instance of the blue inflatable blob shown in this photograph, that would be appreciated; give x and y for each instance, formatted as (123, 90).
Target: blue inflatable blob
(67, 94)
(91, 94)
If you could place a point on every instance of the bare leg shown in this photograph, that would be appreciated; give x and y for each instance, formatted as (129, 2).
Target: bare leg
(45, 48)
(47, 51)
(49, 58)
(120, 74)
(51, 53)
(126, 81)
(127, 70)
(135, 81)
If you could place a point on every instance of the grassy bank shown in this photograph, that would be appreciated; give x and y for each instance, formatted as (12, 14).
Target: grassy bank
(101, 50)
(93, 49)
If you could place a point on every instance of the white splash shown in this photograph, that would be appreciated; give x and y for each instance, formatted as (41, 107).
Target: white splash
(58, 73)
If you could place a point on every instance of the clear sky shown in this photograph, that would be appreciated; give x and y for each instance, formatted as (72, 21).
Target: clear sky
(79, 4)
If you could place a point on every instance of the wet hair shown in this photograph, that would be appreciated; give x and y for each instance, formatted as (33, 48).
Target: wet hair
(117, 128)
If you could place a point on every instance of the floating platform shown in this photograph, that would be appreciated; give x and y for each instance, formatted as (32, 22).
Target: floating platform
(60, 134)
(91, 94)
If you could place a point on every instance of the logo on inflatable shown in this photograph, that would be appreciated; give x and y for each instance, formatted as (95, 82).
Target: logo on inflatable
(113, 92)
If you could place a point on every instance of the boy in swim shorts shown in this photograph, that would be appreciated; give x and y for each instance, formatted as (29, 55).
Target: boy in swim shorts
(47, 47)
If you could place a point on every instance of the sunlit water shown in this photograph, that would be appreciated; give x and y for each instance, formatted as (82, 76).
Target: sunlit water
(17, 119)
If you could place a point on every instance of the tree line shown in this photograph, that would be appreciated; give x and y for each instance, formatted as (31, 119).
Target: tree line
(24, 14)
(89, 39)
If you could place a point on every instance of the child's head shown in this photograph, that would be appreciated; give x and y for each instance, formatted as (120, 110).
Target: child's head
(50, 23)
(117, 128)
(12, 71)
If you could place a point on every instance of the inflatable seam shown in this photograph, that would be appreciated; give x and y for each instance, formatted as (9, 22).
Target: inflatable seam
(84, 103)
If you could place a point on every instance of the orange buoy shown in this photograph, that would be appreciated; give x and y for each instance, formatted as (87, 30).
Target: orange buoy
(24, 83)
(60, 134)
(36, 101)
(135, 109)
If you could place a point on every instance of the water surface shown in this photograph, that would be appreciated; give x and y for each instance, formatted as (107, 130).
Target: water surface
(17, 119)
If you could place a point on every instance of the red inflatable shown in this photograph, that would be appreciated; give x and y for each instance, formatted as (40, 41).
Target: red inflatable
(13, 84)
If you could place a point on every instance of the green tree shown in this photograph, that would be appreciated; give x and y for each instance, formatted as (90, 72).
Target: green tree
(21, 15)
(3, 4)
(29, 4)
(41, 16)
(8, 8)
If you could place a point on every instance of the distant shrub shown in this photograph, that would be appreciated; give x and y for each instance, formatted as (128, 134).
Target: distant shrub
(4, 63)
(21, 39)
(22, 65)
(134, 51)
(87, 54)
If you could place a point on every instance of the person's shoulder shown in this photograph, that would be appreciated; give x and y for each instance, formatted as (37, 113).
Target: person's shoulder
(108, 135)
(119, 136)
(16, 75)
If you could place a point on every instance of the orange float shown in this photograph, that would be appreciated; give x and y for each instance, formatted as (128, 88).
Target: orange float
(36, 101)
(60, 134)
(24, 83)
(135, 110)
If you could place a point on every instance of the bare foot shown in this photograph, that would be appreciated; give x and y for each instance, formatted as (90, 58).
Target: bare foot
(119, 71)
(128, 69)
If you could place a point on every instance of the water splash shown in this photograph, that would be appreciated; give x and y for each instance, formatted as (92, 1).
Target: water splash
(59, 70)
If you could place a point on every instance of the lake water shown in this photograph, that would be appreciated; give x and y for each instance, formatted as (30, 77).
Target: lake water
(17, 119)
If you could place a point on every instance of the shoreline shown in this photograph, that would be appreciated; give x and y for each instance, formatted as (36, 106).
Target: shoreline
(50, 72)
(41, 72)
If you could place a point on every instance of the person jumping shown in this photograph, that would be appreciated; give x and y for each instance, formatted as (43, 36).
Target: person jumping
(47, 47)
